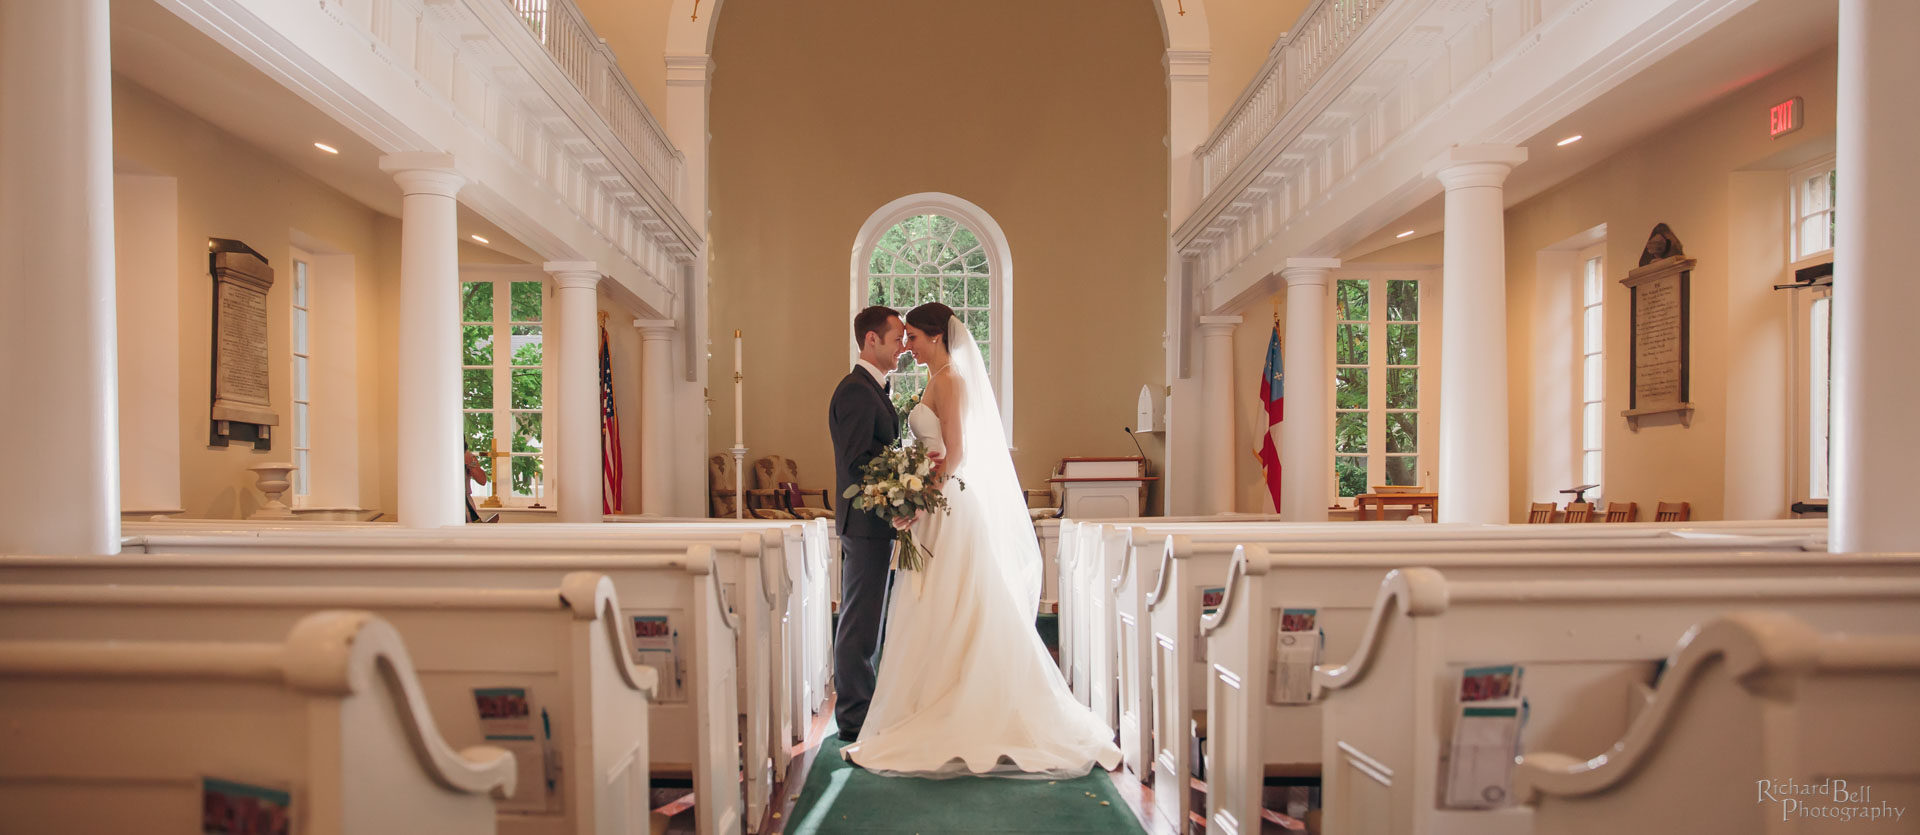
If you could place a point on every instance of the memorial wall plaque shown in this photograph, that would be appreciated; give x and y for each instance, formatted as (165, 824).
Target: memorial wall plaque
(241, 408)
(1659, 365)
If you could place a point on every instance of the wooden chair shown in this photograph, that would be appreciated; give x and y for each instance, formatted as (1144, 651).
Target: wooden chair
(776, 481)
(1043, 504)
(721, 500)
(1622, 512)
(1539, 513)
(1578, 512)
(1672, 512)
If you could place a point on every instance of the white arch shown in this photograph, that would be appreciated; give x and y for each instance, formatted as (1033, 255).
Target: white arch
(993, 242)
(691, 24)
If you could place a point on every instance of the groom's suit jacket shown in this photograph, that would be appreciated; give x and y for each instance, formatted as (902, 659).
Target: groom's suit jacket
(863, 423)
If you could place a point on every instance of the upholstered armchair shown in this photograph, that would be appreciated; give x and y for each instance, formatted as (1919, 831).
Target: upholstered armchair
(776, 486)
(720, 498)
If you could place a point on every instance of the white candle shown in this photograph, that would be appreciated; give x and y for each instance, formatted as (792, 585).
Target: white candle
(739, 408)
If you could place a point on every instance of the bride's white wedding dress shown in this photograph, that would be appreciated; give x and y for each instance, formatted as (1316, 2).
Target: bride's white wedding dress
(965, 684)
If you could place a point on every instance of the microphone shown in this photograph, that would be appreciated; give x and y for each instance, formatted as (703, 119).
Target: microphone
(1136, 442)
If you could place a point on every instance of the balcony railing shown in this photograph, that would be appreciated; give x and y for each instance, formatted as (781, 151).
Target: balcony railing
(589, 64)
(1297, 60)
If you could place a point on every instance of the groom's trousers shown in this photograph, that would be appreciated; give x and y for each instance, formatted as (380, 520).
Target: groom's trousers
(856, 643)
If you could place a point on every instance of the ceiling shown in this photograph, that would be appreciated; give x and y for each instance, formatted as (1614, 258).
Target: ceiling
(158, 50)
(1759, 41)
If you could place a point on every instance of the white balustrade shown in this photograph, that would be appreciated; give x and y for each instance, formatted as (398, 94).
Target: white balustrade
(588, 62)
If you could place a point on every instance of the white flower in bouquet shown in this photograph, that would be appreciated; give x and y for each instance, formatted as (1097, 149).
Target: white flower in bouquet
(913, 482)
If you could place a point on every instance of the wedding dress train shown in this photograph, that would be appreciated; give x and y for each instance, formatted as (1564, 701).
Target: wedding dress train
(965, 684)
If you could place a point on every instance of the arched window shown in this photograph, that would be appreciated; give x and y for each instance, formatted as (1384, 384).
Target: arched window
(939, 248)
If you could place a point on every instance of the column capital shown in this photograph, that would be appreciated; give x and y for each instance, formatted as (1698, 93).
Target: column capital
(1218, 325)
(655, 330)
(568, 275)
(1472, 166)
(1308, 271)
(1188, 64)
(689, 69)
(424, 172)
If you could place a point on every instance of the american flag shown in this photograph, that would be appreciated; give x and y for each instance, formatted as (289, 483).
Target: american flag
(1273, 396)
(610, 467)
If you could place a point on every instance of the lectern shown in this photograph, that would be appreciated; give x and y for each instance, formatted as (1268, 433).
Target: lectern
(1103, 488)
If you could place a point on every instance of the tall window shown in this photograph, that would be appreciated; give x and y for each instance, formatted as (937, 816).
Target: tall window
(503, 359)
(1814, 189)
(1376, 355)
(1820, 392)
(302, 383)
(1593, 377)
(932, 258)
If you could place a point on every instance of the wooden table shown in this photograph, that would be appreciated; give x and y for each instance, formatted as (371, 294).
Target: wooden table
(1380, 502)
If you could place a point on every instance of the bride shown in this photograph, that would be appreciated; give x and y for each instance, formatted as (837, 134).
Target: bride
(965, 684)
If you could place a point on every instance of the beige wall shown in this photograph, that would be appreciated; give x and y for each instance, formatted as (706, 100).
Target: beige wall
(824, 113)
(229, 189)
(1684, 176)
(1242, 33)
(636, 30)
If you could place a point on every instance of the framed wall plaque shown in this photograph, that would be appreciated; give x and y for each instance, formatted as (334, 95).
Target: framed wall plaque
(1660, 365)
(241, 409)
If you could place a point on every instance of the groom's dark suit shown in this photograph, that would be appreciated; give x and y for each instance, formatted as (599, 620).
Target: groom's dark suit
(863, 423)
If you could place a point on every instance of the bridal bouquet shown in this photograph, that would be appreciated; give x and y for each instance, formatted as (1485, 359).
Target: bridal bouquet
(898, 486)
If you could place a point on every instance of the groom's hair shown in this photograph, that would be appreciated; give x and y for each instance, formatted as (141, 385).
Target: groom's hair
(873, 320)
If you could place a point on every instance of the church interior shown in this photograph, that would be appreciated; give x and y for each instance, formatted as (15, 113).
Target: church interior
(1538, 350)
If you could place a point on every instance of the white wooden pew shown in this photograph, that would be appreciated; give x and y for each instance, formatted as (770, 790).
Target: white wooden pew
(1129, 559)
(753, 580)
(119, 736)
(1115, 567)
(1747, 703)
(1179, 661)
(1284, 739)
(565, 647)
(1585, 645)
(680, 585)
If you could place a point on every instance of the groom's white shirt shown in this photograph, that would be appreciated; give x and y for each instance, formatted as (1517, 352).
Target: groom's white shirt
(878, 375)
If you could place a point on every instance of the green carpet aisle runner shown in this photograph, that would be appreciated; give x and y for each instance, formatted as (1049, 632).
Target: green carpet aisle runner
(838, 797)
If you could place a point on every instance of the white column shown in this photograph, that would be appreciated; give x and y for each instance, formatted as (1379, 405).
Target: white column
(1473, 340)
(656, 416)
(577, 477)
(59, 385)
(689, 83)
(1876, 287)
(1216, 413)
(1306, 437)
(430, 469)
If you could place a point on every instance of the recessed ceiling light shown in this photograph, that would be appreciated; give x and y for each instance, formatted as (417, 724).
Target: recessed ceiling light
(478, 239)
(325, 147)
(1568, 141)
(1404, 234)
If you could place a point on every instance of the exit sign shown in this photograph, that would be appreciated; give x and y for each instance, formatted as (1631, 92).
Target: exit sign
(1785, 117)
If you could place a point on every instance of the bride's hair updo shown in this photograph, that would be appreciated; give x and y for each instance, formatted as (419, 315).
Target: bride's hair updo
(932, 318)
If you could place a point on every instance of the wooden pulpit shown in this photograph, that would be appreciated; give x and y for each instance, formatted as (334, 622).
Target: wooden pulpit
(1103, 488)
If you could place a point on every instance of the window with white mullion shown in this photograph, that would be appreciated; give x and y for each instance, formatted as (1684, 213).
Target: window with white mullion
(1820, 392)
(503, 362)
(1353, 393)
(302, 384)
(1376, 355)
(1815, 187)
(1593, 385)
(932, 258)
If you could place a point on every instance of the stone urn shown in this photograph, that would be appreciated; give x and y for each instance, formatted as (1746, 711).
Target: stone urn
(275, 480)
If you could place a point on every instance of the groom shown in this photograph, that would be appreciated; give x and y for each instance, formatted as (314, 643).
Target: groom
(863, 423)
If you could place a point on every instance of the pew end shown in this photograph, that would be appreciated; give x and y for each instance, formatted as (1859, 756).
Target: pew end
(1749, 701)
(118, 736)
